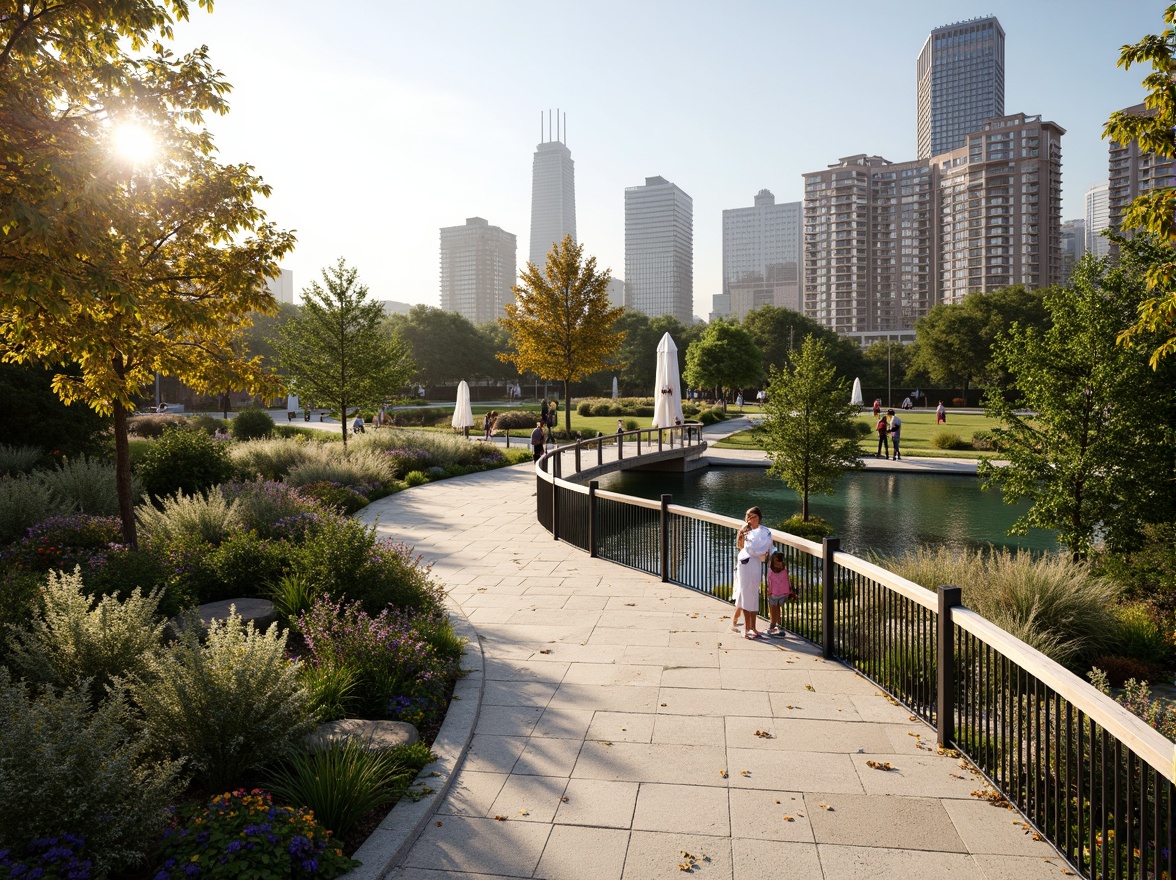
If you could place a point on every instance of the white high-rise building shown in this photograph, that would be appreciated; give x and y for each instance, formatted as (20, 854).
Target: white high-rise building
(1073, 247)
(659, 250)
(763, 255)
(1098, 218)
(553, 192)
(960, 83)
(282, 287)
(477, 270)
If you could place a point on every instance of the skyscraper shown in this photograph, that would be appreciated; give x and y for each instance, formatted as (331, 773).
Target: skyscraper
(1073, 247)
(960, 83)
(659, 250)
(1098, 218)
(553, 192)
(762, 255)
(477, 270)
(1133, 173)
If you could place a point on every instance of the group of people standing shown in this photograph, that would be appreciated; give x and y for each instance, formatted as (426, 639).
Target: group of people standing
(754, 545)
(889, 428)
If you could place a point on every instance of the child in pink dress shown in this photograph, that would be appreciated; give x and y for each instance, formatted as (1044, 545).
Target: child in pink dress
(779, 591)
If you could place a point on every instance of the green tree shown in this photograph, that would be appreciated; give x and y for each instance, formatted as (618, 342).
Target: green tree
(123, 267)
(37, 417)
(723, 357)
(638, 352)
(446, 347)
(335, 349)
(893, 364)
(778, 333)
(955, 340)
(1155, 210)
(561, 324)
(1096, 453)
(809, 428)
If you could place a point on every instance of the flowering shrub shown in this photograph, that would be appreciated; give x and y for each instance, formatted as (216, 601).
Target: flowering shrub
(24, 502)
(65, 541)
(263, 505)
(45, 857)
(401, 675)
(243, 834)
(345, 499)
(240, 567)
(408, 458)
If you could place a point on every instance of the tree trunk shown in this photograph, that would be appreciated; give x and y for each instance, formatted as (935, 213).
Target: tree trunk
(122, 477)
(343, 419)
(567, 407)
(804, 508)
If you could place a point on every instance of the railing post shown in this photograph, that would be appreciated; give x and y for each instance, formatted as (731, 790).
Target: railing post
(593, 485)
(556, 471)
(831, 547)
(620, 446)
(577, 456)
(659, 441)
(600, 450)
(664, 539)
(949, 598)
(638, 444)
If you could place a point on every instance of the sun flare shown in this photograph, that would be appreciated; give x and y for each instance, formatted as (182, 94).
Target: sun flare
(133, 143)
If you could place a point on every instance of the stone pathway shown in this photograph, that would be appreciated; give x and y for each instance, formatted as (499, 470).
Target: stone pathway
(626, 733)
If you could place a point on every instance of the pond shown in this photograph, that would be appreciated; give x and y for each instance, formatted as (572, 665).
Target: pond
(872, 511)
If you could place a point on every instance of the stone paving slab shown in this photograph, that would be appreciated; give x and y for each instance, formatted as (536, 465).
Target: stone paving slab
(616, 735)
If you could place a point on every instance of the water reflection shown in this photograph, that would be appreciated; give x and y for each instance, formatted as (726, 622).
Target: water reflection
(872, 511)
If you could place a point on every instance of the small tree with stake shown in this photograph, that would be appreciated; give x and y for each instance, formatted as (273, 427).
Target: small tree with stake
(809, 429)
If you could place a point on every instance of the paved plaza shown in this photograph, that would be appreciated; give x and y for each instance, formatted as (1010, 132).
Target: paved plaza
(617, 728)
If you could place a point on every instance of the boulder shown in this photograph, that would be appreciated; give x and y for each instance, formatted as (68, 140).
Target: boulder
(378, 735)
(259, 612)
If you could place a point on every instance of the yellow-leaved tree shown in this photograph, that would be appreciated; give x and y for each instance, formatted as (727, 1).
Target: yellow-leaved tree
(561, 324)
(126, 248)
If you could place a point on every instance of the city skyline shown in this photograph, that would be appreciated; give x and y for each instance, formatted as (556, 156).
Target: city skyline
(376, 137)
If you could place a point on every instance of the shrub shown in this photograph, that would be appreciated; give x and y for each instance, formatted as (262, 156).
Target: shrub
(24, 502)
(184, 461)
(209, 517)
(228, 706)
(125, 570)
(957, 401)
(631, 425)
(239, 567)
(76, 638)
(1054, 604)
(341, 782)
(1137, 699)
(263, 507)
(155, 425)
(814, 529)
(65, 541)
(584, 408)
(418, 478)
(292, 594)
(84, 486)
(643, 412)
(341, 557)
(18, 459)
(271, 459)
(208, 424)
(1119, 670)
(709, 417)
(243, 834)
(21, 591)
(251, 424)
(400, 673)
(516, 419)
(516, 456)
(344, 499)
(948, 440)
(71, 769)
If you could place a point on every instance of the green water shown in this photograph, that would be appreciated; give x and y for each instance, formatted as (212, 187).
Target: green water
(871, 511)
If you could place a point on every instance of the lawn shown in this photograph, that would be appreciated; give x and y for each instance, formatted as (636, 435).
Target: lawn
(917, 430)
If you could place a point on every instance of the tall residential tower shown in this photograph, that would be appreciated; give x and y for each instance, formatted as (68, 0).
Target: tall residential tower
(960, 83)
(762, 255)
(553, 191)
(659, 250)
(477, 270)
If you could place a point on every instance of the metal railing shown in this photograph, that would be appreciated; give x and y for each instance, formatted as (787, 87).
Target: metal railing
(1091, 778)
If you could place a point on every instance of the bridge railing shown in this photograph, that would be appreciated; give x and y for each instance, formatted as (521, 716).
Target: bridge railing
(1091, 778)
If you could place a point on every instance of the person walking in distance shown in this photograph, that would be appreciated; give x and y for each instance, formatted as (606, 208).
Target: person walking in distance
(883, 429)
(895, 432)
(940, 414)
(538, 441)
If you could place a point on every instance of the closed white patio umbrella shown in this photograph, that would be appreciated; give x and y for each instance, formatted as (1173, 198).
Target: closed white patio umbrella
(667, 410)
(855, 398)
(463, 416)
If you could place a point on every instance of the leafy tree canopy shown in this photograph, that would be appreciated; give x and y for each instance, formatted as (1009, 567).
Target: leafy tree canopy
(561, 323)
(336, 351)
(446, 347)
(724, 357)
(123, 265)
(1155, 210)
(809, 429)
(639, 350)
(1097, 452)
(778, 333)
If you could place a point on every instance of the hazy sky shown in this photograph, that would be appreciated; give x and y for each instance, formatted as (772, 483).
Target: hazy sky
(377, 123)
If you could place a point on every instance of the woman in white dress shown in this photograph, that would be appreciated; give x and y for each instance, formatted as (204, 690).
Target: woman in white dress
(754, 541)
